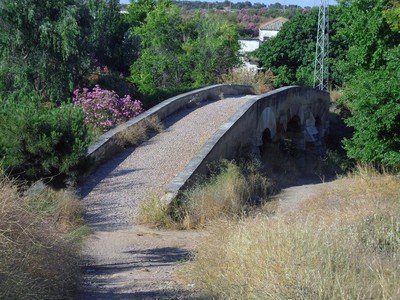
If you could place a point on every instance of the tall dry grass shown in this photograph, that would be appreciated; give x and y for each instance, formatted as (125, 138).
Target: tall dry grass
(38, 260)
(343, 244)
(261, 82)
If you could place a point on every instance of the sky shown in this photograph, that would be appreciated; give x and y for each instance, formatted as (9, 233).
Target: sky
(287, 2)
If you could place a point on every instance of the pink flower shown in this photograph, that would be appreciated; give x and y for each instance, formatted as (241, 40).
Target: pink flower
(104, 108)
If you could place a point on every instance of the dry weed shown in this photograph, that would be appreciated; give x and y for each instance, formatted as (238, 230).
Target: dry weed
(261, 82)
(37, 261)
(137, 134)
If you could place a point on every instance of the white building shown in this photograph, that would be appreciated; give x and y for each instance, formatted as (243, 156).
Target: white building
(249, 45)
(271, 28)
(266, 31)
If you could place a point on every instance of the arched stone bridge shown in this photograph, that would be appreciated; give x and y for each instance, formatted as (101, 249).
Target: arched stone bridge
(201, 127)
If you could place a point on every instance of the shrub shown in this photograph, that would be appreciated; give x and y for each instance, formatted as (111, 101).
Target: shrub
(140, 132)
(231, 191)
(37, 260)
(105, 109)
(37, 141)
(374, 97)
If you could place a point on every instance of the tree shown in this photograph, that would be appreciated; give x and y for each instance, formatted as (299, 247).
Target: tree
(42, 46)
(111, 42)
(210, 50)
(290, 55)
(161, 37)
(177, 54)
(373, 90)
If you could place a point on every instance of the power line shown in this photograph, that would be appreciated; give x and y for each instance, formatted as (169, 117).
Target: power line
(321, 68)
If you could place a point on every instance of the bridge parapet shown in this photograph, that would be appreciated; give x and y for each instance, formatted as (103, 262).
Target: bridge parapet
(293, 112)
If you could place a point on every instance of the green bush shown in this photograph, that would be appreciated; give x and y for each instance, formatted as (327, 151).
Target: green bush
(373, 97)
(38, 141)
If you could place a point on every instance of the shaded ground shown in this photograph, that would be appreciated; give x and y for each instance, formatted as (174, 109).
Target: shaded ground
(126, 261)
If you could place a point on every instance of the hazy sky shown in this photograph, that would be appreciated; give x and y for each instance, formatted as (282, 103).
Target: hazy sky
(298, 2)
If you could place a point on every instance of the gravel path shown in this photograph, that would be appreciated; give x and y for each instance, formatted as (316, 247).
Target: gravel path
(126, 261)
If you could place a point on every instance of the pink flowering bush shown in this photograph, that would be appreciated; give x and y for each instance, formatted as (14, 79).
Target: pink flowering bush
(104, 109)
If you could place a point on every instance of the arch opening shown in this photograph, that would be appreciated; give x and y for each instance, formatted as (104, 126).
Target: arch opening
(293, 138)
(266, 141)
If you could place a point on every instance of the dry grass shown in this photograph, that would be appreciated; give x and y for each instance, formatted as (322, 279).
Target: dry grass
(231, 191)
(155, 212)
(137, 134)
(336, 95)
(261, 82)
(38, 259)
(343, 244)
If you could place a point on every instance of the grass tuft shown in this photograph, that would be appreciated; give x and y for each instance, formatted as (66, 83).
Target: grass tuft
(140, 132)
(155, 212)
(261, 82)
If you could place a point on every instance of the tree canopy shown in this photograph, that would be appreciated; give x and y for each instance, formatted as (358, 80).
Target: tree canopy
(177, 52)
(41, 46)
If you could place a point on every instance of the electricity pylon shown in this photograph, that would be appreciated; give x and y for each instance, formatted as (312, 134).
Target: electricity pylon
(321, 68)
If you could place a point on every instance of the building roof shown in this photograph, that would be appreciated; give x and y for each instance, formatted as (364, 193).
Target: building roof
(275, 24)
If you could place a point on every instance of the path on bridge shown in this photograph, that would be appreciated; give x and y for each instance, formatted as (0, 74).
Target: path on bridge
(127, 260)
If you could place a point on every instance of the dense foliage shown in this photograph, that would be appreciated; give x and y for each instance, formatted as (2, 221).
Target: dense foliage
(290, 55)
(180, 53)
(41, 46)
(104, 109)
(373, 86)
(37, 141)
(111, 42)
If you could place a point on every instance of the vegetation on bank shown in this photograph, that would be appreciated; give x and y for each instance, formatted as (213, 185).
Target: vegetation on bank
(342, 243)
(40, 237)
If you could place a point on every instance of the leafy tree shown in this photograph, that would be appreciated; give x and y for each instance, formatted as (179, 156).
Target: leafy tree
(112, 44)
(290, 55)
(373, 89)
(210, 48)
(138, 10)
(374, 99)
(161, 37)
(179, 53)
(41, 46)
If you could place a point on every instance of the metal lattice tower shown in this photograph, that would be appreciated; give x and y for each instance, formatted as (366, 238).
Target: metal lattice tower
(321, 68)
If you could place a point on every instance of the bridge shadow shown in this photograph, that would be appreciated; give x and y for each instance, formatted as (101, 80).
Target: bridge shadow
(105, 281)
(295, 169)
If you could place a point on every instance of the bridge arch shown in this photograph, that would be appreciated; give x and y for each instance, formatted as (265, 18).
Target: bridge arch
(267, 120)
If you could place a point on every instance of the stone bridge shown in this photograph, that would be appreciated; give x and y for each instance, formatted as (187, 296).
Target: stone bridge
(201, 127)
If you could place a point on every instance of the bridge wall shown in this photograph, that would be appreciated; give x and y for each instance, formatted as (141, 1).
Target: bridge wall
(112, 142)
(244, 130)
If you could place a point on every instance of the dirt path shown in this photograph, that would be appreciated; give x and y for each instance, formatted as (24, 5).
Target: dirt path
(291, 198)
(126, 261)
